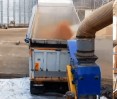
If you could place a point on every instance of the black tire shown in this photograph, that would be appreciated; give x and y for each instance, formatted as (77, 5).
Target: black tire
(32, 89)
(93, 97)
(89, 97)
(36, 89)
(107, 91)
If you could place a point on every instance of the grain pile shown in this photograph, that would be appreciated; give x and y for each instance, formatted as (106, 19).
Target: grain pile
(61, 31)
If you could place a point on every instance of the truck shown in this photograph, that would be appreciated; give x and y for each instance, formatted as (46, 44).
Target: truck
(52, 23)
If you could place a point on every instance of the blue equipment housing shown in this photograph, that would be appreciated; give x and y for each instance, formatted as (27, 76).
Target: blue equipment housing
(87, 76)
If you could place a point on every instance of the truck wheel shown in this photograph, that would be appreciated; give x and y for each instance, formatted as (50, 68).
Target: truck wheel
(36, 89)
(93, 97)
(70, 95)
(32, 88)
(89, 97)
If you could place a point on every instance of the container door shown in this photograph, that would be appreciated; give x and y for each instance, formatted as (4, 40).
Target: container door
(51, 61)
(39, 59)
(64, 60)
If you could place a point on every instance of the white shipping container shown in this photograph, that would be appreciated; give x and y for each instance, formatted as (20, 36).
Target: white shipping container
(50, 61)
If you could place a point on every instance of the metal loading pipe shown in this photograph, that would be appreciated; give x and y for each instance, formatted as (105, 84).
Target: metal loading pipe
(99, 19)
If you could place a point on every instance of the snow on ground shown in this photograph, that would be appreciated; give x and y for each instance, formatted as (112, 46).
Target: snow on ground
(18, 88)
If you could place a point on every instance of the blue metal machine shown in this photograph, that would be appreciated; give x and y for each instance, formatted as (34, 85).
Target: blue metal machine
(86, 73)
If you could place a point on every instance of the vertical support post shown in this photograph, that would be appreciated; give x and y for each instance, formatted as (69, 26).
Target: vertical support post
(32, 3)
(29, 11)
(72, 87)
(19, 12)
(1, 12)
(14, 11)
(24, 13)
(7, 12)
(94, 4)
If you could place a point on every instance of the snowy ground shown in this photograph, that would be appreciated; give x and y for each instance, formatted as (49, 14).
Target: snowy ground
(18, 88)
